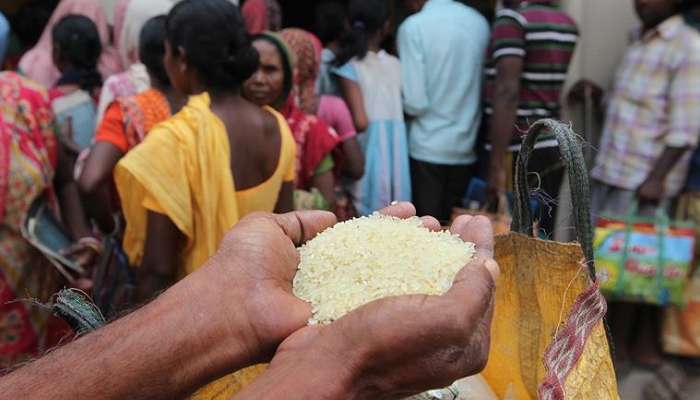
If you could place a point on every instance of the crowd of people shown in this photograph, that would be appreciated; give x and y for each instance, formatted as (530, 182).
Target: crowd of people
(164, 128)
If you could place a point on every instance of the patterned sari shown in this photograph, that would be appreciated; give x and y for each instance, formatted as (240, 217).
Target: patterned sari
(142, 112)
(27, 164)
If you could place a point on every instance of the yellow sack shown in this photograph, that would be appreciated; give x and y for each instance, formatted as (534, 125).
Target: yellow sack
(548, 336)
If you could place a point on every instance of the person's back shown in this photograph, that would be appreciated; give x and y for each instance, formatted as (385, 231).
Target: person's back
(545, 37)
(76, 51)
(370, 79)
(442, 50)
(254, 158)
(218, 159)
(531, 48)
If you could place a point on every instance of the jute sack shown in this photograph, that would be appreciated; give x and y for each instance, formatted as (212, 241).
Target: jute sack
(548, 334)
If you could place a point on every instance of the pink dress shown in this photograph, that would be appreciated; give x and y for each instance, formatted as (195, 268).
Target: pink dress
(333, 111)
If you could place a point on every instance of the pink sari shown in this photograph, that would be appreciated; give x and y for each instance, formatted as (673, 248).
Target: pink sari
(37, 63)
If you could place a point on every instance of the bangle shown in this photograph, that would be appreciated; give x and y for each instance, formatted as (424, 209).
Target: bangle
(91, 243)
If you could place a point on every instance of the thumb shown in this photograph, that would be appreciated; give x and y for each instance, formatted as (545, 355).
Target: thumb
(475, 285)
(301, 226)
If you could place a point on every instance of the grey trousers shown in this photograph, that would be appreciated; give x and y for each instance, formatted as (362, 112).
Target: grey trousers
(611, 200)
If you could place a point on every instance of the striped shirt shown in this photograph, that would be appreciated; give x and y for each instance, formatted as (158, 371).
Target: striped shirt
(545, 38)
(655, 104)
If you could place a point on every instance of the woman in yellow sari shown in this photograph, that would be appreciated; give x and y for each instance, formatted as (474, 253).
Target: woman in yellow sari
(220, 158)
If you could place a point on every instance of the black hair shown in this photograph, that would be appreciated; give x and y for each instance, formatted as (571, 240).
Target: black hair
(366, 17)
(215, 42)
(287, 67)
(77, 42)
(687, 5)
(152, 48)
(32, 14)
(331, 21)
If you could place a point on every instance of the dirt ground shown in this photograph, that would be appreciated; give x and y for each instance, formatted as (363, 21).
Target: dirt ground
(632, 385)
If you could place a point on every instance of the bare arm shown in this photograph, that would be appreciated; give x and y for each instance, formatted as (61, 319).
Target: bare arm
(354, 165)
(652, 189)
(154, 353)
(229, 314)
(502, 122)
(99, 166)
(353, 97)
(94, 183)
(285, 202)
(325, 183)
(69, 196)
(159, 265)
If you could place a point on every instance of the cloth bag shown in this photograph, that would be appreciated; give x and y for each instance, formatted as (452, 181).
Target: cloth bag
(681, 330)
(548, 338)
(644, 260)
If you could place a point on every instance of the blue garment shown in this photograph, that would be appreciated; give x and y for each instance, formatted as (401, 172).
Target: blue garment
(385, 146)
(326, 83)
(442, 50)
(76, 113)
(4, 38)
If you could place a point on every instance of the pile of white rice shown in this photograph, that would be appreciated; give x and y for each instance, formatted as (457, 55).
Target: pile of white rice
(368, 258)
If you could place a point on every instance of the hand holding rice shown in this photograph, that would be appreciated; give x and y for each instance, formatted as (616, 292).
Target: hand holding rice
(369, 258)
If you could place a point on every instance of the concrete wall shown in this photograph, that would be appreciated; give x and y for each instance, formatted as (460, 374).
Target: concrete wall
(605, 26)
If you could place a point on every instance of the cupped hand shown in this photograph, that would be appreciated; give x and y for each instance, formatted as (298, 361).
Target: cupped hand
(395, 347)
(255, 266)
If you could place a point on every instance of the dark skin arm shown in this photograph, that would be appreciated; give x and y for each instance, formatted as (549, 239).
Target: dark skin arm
(285, 202)
(325, 183)
(69, 197)
(354, 165)
(505, 108)
(356, 103)
(160, 256)
(94, 180)
(73, 214)
(652, 189)
(99, 166)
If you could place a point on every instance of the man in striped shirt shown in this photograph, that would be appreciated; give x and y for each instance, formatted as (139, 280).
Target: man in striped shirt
(531, 47)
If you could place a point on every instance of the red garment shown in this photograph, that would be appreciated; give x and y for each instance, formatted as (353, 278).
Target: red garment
(27, 168)
(255, 16)
(315, 140)
(307, 48)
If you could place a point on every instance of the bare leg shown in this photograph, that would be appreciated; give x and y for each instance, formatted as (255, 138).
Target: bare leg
(621, 317)
(647, 347)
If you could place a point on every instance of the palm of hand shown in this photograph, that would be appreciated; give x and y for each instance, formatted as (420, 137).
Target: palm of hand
(262, 253)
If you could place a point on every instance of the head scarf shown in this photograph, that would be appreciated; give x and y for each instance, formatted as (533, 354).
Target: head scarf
(37, 63)
(307, 48)
(137, 13)
(286, 54)
(262, 15)
(118, 24)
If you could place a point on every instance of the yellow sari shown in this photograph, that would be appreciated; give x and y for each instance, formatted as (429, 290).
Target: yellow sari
(182, 169)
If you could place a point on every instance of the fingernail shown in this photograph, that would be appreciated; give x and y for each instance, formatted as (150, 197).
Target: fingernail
(493, 268)
(393, 203)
